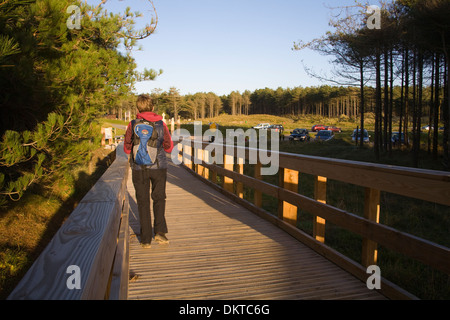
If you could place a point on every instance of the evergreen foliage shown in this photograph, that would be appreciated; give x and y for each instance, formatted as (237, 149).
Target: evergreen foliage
(55, 80)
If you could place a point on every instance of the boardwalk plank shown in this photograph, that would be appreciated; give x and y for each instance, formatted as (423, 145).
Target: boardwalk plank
(219, 250)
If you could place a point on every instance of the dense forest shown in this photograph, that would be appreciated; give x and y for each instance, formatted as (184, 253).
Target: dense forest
(404, 42)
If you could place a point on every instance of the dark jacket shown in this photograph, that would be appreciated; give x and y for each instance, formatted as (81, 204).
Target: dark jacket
(163, 134)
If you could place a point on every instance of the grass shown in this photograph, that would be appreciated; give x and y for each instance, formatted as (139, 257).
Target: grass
(104, 121)
(420, 218)
(111, 122)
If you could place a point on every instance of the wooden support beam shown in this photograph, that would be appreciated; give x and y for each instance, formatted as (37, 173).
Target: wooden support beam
(179, 147)
(199, 154)
(289, 181)
(207, 159)
(188, 152)
(371, 212)
(257, 198)
(320, 194)
(240, 185)
(228, 164)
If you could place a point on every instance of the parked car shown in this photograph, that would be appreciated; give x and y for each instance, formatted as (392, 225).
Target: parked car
(334, 129)
(318, 127)
(356, 135)
(427, 128)
(324, 135)
(395, 138)
(299, 135)
(277, 127)
(263, 126)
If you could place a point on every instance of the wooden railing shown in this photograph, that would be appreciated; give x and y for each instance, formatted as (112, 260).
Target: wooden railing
(88, 256)
(427, 185)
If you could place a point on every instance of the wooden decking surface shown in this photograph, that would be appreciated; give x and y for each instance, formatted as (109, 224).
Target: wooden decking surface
(219, 250)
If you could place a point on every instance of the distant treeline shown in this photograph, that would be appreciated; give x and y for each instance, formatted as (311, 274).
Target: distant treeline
(326, 101)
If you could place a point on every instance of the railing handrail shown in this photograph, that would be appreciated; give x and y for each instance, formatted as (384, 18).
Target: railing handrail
(422, 184)
(82, 257)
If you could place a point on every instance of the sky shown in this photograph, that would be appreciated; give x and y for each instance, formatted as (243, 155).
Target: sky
(230, 45)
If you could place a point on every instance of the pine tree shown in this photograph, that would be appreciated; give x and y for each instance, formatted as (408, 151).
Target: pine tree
(55, 80)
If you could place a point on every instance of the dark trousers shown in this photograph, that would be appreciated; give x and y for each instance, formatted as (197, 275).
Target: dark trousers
(142, 180)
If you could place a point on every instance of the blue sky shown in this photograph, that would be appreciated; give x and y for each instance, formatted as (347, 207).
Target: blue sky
(221, 46)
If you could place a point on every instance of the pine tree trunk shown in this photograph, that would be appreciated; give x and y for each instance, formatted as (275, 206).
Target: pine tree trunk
(436, 107)
(362, 101)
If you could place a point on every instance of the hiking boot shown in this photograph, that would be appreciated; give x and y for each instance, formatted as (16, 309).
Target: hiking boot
(161, 238)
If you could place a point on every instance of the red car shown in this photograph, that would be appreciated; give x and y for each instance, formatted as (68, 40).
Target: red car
(334, 129)
(318, 127)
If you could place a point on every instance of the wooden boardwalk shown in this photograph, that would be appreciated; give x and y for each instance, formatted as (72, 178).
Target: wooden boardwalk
(219, 250)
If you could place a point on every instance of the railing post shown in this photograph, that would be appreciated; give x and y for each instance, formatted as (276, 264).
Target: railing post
(257, 198)
(320, 194)
(188, 151)
(206, 158)
(180, 151)
(289, 181)
(199, 155)
(228, 164)
(371, 212)
(240, 185)
(213, 172)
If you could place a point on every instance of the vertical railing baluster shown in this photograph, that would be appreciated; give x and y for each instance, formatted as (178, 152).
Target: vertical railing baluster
(257, 197)
(288, 180)
(228, 164)
(371, 212)
(320, 194)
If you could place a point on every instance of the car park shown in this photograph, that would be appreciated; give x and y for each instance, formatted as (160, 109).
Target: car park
(299, 135)
(318, 127)
(324, 135)
(356, 135)
(263, 126)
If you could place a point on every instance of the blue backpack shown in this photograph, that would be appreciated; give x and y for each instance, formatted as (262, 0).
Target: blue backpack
(145, 146)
